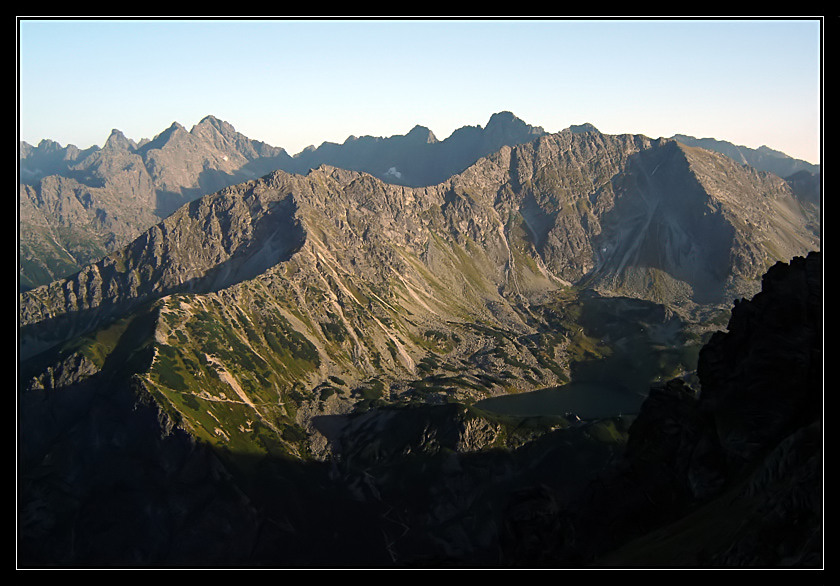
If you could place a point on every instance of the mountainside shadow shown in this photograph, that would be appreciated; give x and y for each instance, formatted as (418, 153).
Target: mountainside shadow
(663, 221)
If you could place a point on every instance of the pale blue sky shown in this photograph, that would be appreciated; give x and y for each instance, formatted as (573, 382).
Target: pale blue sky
(293, 83)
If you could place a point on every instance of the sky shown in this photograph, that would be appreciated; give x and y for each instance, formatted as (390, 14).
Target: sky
(293, 83)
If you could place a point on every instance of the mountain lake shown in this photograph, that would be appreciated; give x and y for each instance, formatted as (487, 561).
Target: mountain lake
(587, 400)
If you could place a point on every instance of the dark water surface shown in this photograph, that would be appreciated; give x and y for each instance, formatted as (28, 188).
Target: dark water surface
(587, 400)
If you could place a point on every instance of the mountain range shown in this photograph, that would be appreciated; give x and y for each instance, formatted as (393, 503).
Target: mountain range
(377, 357)
(76, 205)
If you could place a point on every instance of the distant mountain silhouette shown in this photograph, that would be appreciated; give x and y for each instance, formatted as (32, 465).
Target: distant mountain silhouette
(762, 158)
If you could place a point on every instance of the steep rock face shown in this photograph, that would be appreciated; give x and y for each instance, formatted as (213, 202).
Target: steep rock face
(561, 185)
(806, 186)
(770, 222)
(729, 476)
(691, 224)
(771, 355)
(654, 219)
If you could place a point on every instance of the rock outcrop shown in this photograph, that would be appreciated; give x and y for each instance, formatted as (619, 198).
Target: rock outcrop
(729, 475)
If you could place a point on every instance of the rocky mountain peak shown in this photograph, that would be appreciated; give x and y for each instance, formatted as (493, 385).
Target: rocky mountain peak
(421, 134)
(505, 124)
(47, 145)
(117, 141)
(504, 118)
(165, 137)
(224, 128)
(581, 128)
(48, 158)
(175, 126)
(766, 150)
(211, 119)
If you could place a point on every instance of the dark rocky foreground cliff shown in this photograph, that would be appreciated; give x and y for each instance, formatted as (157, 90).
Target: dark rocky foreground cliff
(725, 473)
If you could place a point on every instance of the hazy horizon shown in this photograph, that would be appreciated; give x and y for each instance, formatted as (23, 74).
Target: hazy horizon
(297, 83)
